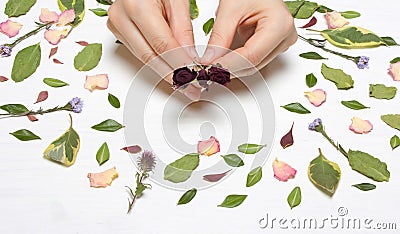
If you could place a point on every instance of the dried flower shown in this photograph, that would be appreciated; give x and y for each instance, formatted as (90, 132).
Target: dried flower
(313, 126)
(362, 62)
(183, 76)
(219, 75)
(147, 161)
(202, 75)
(5, 50)
(76, 104)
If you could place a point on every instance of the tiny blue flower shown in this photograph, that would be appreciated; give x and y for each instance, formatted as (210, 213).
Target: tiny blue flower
(363, 62)
(147, 161)
(313, 126)
(76, 104)
(5, 50)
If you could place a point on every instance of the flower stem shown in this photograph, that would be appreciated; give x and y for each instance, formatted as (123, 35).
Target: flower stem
(38, 112)
(135, 196)
(337, 146)
(31, 33)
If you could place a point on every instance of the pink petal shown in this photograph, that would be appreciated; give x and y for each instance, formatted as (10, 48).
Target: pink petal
(42, 96)
(99, 82)
(82, 43)
(208, 147)
(360, 126)
(215, 177)
(32, 118)
(66, 17)
(55, 36)
(3, 79)
(311, 23)
(47, 16)
(56, 61)
(53, 51)
(10, 28)
(335, 20)
(102, 179)
(282, 171)
(316, 97)
(133, 149)
(394, 71)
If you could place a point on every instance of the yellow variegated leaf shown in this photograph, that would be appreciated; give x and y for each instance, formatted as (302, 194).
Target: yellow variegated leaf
(77, 5)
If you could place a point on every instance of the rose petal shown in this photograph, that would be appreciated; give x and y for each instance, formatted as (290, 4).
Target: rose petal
(215, 177)
(282, 171)
(133, 149)
(208, 147)
(66, 17)
(360, 126)
(82, 43)
(32, 118)
(56, 61)
(99, 82)
(335, 20)
(47, 16)
(316, 97)
(394, 71)
(42, 97)
(3, 79)
(55, 36)
(102, 179)
(311, 23)
(10, 28)
(53, 51)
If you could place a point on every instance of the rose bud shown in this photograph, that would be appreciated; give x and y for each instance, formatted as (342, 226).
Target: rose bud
(202, 75)
(183, 76)
(219, 75)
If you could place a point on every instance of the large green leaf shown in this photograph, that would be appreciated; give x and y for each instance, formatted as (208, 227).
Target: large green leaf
(77, 5)
(26, 62)
(380, 91)
(337, 76)
(181, 169)
(368, 165)
(393, 120)
(301, 9)
(15, 8)
(14, 109)
(88, 58)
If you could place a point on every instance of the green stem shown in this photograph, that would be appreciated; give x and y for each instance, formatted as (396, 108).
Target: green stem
(337, 146)
(38, 112)
(142, 176)
(33, 32)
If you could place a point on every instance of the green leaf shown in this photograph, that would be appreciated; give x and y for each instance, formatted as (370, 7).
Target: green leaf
(55, 83)
(302, 9)
(311, 55)
(187, 196)
(99, 12)
(103, 154)
(254, 176)
(233, 160)
(353, 104)
(15, 8)
(14, 109)
(368, 165)
(389, 41)
(380, 91)
(350, 14)
(208, 26)
(181, 169)
(393, 120)
(25, 135)
(296, 108)
(194, 10)
(311, 80)
(395, 60)
(114, 101)
(250, 148)
(337, 76)
(394, 142)
(88, 58)
(233, 200)
(26, 62)
(294, 198)
(105, 2)
(77, 5)
(108, 125)
(323, 9)
(65, 148)
(324, 174)
(365, 186)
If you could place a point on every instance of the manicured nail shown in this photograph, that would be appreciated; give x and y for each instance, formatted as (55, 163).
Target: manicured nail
(208, 56)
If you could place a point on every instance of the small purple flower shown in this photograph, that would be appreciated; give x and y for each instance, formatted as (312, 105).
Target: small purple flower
(202, 75)
(147, 161)
(219, 75)
(183, 76)
(76, 104)
(313, 126)
(5, 50)
(363, 62)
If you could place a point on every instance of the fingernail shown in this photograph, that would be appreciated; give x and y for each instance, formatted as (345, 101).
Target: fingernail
(208, 56)
(193, 53)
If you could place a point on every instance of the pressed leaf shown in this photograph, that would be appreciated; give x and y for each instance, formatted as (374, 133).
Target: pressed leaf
(296, 108)
(103, 154)
(56, 61)
(389, 41)
(215, 177)
(393, 120)
(187, 196)
(181, 169)
(368, 165)
(353, 104)
(55, 83)
(250, 148)
(3, 79)
(208, 26)
(254, 176)
(294, 198)
(53, 51)
(287, 139)
(114, 101)
(233, 200)
(25, 135)
(194, 10)
(395, 60)
(311, 23)
(311, 80)
(380, 91)
(350, 14)
(337, 76)
(26, 62)
(108, 125)
(99, 12)
(302, 9)
(14, 109)
(323, 9)
(365, 186)
(394, 142)
(77, 5)
(133, 149)
(233, 160)
(42, 96)
(105, 2)
(15, 8)
(88, 58)
(82, 43)
(311, 55)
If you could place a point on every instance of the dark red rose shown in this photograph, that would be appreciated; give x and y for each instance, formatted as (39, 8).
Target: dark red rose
(202, 75)
(219, 75)
(183, 76)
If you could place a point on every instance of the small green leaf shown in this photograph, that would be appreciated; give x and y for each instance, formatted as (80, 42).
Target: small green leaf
(15, 8)
(181, 169)
(88, 58)
(105, 2)
(350, 14)
(114, 101)
(323, 9)
(233, 160)
(353, 104)
(365, 186)
(368, 165)
(250, 148)
(311, 80)
(394, 142)
(393, 120)
(187, 196)
(389, 41)
(108, 125)
(232, 201)
(103, 154)
(296, 108)
(55, 83)
(194, 10)
(311, 55)
(208, 26)
(14, 109)
(254, 176)
(25, 135)
(337, 76)
(380, 91)
(26, 62)
(395, 60)
(294, 198)
(99, 12)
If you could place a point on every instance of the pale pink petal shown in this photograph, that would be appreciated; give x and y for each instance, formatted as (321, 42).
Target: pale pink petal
(102, 179)
(66, 17)
(54, 36)
(10, 28)
(48, 16)
(282, 171)
(360, 126)
(335, 20)
(99, 82)
(192, 91)
(316, 97)
(208, 147)
(394, 71)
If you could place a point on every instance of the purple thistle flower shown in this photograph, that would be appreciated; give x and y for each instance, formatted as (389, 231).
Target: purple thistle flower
(147, 161)
(76, 104)
(5, 50)
(313, 126)
(362, 62)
